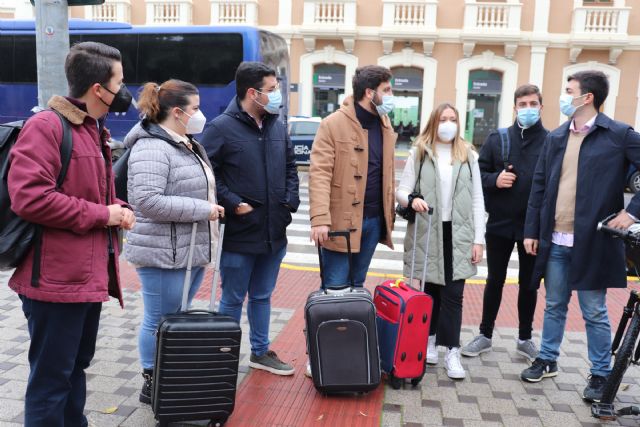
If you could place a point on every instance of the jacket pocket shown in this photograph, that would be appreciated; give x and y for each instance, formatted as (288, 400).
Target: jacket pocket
(67, 258)
(281, 218)
(247, 227)
(342, 160)
(174, 241)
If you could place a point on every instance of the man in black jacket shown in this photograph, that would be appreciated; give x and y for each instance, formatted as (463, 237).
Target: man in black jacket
(507, 162)
(257, 183)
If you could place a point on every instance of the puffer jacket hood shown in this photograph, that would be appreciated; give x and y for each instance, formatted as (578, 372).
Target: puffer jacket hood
(145, 129)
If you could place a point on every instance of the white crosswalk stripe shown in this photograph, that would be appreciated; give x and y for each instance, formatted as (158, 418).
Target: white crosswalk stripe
(302, 252)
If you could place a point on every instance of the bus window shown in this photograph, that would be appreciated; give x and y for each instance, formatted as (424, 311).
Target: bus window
(6, 65)
(202, 59)
(24, 59)
(127, 44)
(275, 54)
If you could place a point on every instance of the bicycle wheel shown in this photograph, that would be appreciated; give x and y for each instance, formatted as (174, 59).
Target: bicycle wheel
(623, 358)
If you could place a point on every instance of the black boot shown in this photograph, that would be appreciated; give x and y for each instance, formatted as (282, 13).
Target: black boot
(147, 386)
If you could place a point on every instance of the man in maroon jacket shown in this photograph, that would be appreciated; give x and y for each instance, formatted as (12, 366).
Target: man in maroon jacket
(79, 252)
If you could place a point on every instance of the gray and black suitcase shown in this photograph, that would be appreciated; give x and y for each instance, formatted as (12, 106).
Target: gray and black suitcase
(342, 340)
(197, 356)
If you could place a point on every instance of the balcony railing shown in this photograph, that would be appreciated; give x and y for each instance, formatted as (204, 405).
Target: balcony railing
(22, 9)
(225, 12)
(492, 17)
(167, 12)
(336, 13)
(110, 11)
(410, 14)
(601, 20)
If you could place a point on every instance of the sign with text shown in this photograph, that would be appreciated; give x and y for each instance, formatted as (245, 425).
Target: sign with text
(328, 81)
(485, 87)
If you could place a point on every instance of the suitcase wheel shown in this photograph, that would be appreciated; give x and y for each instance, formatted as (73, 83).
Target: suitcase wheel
(214, 423)
(416, 381)
(395, 382)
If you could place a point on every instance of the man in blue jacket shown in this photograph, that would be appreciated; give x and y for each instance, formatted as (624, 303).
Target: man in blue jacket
(257, 183)
(507, 162)
(579, 180)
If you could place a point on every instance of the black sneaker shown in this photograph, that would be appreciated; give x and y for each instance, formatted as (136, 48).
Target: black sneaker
(593, 392)
(538, 370)
(147, 386)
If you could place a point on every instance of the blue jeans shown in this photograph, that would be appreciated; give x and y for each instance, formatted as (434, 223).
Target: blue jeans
(63, 341)
(255, 275)
(161, 295)
(335, 265)
(594, 312)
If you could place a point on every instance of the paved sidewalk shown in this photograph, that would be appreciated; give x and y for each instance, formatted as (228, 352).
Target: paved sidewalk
(491, 395)
(113, 379)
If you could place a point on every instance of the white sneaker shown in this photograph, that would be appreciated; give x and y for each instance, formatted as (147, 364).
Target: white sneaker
(452, 364)
(307, 371)
(432, 351)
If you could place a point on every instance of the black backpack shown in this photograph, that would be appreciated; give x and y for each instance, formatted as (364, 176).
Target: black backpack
(17, 235)
(121, 174)
(505, 146)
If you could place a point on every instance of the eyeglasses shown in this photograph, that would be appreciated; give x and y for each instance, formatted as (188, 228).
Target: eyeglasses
(268, 91)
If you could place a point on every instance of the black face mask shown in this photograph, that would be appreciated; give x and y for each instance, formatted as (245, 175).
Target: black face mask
(121, 101)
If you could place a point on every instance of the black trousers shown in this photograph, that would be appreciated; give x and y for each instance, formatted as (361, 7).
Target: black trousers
(498, 252)
(63, 341)
(446, 319)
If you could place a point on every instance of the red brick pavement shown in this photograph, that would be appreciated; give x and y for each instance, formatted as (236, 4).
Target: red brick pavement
(266, 400)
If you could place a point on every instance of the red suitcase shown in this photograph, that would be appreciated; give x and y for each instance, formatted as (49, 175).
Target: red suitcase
(403, 317)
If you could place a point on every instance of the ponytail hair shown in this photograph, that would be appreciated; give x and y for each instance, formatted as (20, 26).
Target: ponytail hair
(155, 101)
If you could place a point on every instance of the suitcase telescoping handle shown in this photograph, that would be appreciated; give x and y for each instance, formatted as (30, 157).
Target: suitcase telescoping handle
(187, 276)
(347, 235)
(426, 248)
(216, 268)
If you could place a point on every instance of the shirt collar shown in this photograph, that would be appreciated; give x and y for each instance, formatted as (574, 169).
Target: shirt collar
(174, 135)
(585, 129)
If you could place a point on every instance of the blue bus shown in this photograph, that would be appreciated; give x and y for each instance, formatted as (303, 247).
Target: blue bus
(203, 55)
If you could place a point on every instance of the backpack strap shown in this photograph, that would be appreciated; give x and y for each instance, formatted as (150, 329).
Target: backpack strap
(65, 156)
(416, 187)
(505, 146)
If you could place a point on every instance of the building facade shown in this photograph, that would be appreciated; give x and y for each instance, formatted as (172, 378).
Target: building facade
(471, 53)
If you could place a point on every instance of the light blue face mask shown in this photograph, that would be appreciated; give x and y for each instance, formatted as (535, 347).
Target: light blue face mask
(388, 102)
(566, 104)
(528, 117)
(275, 102)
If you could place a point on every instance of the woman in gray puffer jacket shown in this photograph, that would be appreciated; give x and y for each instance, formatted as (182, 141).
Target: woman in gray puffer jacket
(170, 186)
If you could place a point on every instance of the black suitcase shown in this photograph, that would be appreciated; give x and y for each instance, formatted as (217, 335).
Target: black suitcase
(342, 339)
(197, 356)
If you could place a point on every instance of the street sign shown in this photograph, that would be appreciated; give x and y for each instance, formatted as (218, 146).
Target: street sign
(78, 2)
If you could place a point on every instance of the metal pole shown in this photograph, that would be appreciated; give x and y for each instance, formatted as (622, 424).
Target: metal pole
(52, 47)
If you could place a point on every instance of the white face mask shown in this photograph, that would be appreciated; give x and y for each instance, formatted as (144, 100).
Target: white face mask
(447, 131)
(196, 122)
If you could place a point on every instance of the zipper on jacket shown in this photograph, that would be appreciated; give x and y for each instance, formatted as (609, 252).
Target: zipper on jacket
(207, 181)
(174, 243)
(263, 137)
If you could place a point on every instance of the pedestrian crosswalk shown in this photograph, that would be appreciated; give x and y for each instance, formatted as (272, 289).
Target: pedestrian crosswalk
(302, 253)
